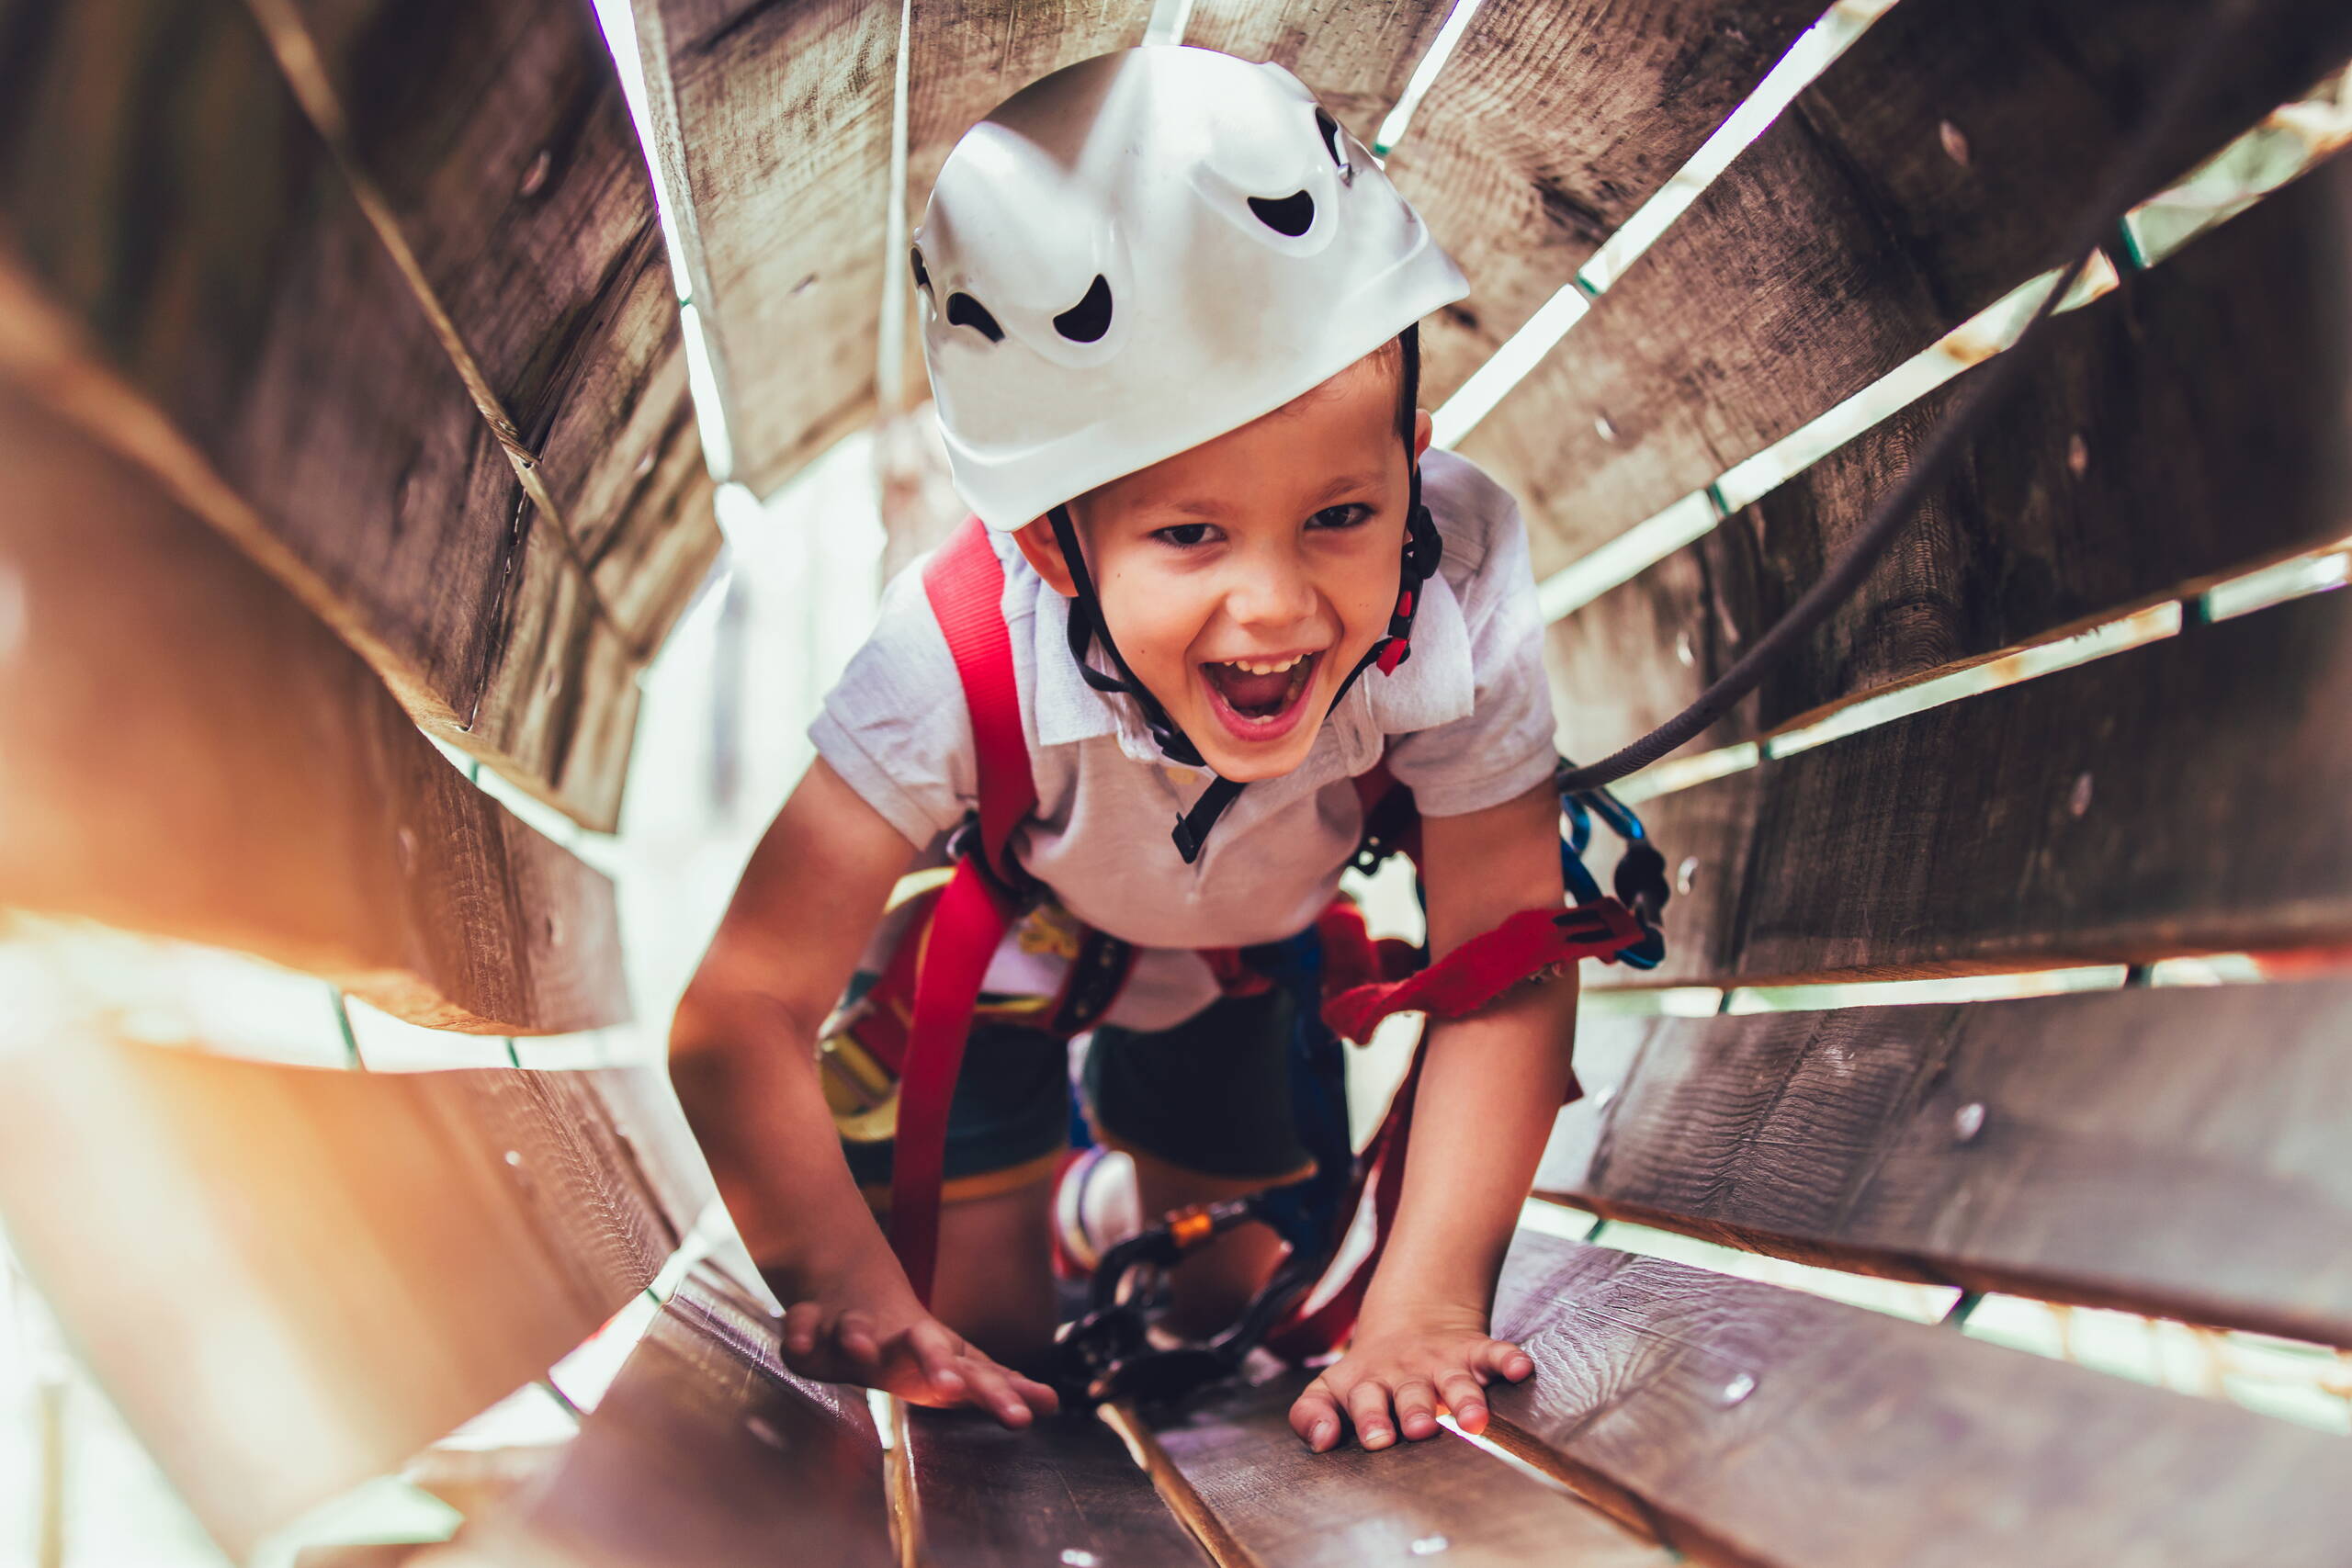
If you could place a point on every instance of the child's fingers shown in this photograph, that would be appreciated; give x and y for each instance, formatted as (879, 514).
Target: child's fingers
(1368, 1408)
(993, 1390)
(938, 1352)
(1315, 1416)
(1465, 1400)
(1041, 1398)
(854, 1332)
(1416, 1408)
(1505, 1359)
(801, 1322)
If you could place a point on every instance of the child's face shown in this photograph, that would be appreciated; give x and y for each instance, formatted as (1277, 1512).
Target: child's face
(1245, 578)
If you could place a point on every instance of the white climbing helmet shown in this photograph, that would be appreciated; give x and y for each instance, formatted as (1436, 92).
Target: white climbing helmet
(1142, 252)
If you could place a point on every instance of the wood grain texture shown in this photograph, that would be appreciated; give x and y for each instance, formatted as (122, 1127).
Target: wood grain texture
(1847, 238)
(1549, 126)
(1439, 1499)
(354, 1263)
(186, 750)
(703, 1453)
(773, 126)
(324, 369)
(994, 1498)
(2196, 422)
(2186, 796)
(2175, 1152)
(1754, 1426)
(1356, 57)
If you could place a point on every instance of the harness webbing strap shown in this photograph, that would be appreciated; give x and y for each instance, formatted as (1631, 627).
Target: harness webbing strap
(965, 583)
(1462, 982)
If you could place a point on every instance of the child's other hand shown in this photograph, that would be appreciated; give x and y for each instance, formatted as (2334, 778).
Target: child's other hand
(1399, 1370)
(879, 1334)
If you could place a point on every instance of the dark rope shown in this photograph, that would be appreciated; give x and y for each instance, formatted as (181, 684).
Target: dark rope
(2135, 170)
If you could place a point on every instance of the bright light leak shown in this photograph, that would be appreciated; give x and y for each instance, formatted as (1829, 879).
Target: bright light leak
(1624, 557)
(1507, 367)
(1392, 130)
(701, 380)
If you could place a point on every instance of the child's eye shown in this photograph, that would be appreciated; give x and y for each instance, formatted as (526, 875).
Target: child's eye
(1348, 516)
(1185, 536)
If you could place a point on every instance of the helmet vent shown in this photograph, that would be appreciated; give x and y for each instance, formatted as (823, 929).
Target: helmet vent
(922, 278)
(1087, 320)
(1292, 215)
(963, 310)
(1330, 129)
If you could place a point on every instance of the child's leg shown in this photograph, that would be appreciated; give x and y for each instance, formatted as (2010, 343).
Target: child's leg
(995, 1282)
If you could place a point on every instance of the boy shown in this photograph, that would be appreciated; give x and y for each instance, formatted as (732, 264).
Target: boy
(1173, 351)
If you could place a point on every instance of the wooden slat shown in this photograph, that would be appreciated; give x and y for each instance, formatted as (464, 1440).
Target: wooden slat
(185, 749)
(1849, 238)
(192, 274)
(1549, 126)
(772, 125)
(703, 1453)
(2186, 797)
(1755, 1426)
(2175, 1152)
(352, 1263)
(1063, 1491)
(2197, 421)
(1357, 58)
(1438, 1499)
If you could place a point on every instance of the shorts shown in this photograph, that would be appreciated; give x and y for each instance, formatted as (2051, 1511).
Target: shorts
(1210, 1096)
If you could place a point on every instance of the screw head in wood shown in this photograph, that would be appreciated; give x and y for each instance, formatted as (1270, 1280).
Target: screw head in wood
(1955, 142)
(1430, 1545)
(2078, 455)
(1968, 1121)
(406, 841)
(1685, 874)
(2078, 799)
(1684, 654)
(1739, 1388)
(1602, 428)
(1078, 1557)
(534, 178)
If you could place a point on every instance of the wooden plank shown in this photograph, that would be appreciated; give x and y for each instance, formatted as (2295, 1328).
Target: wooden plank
(354, 1263)
(1851, 236)
(1755, 1426)
(1547, 128)
(2186, 796)
(186, 750)
(2196, 422)
(773, 127)
(192, 276)
(1440, 1499)
(1063, 1491)
(703, 1453)
(2062, 1148)
(1357, 58)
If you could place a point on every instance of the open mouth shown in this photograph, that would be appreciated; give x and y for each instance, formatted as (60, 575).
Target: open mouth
(1260, 699)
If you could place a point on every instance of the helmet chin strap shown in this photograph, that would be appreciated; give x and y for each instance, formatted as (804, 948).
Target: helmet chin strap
(1087, 625)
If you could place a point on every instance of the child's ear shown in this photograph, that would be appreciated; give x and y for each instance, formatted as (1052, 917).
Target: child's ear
(1422, 430)
(1044, 554)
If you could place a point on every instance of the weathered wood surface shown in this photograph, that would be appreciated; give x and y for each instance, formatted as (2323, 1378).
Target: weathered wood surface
(2186, 796)
(2196, 422)
(1754, 1426)
(1851, 236)
(2175, 1152)
(772, 125)
(703, 1453)
(186, 750)
(1549, 126)
(1357, 58)
(1441, 1498)
(289, 1280)
(193, 275)
(1063, 1491)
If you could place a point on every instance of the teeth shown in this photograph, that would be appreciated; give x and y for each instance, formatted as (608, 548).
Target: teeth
(1258, 667)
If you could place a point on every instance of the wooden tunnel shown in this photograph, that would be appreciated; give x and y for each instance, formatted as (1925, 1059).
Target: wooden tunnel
(345, 409)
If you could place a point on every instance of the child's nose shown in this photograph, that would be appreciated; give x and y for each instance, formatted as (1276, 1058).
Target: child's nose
(1271, 588)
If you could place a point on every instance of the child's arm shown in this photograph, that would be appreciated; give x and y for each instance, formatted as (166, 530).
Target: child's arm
(742, 1054)
(1490, 1090)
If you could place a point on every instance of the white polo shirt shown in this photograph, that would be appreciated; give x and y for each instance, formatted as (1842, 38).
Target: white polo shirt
(1466, 723)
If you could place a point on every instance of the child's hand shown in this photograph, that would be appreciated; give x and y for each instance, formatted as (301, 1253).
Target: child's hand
(873, 1331)
(1398, 1369)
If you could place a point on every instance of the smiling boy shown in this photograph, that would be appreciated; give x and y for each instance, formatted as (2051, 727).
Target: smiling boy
(1174, 355)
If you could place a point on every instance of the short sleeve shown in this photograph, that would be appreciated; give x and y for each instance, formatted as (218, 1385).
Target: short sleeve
(1505, 747)
(895, 727)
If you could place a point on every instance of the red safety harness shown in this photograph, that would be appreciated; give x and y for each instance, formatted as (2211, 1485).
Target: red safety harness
(945, 953)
